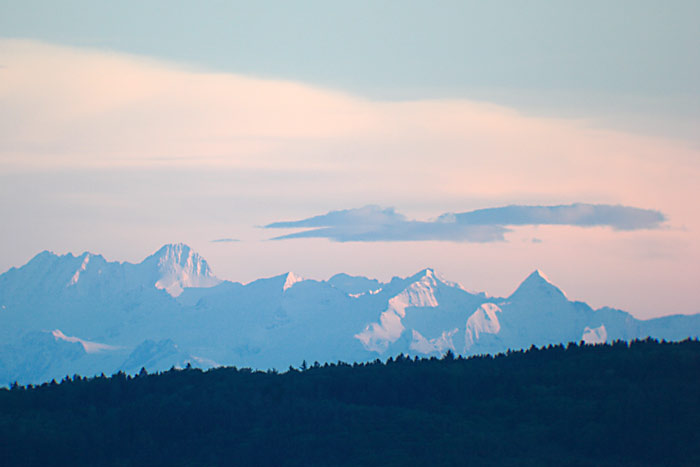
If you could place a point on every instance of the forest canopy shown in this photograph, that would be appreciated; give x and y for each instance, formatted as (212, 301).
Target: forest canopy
(624, 403)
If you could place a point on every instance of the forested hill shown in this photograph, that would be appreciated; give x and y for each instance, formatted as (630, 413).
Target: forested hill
(619, 404)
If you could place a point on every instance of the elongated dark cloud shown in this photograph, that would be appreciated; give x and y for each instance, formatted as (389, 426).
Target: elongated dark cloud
(583, 215)
(375, 224)
(225, 240)
(365, 216)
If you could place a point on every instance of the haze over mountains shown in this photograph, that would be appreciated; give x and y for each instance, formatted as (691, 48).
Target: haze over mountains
(66, 314)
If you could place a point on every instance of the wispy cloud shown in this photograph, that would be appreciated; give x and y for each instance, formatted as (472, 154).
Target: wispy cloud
(225, 240)
(366, 216)
(375, 224)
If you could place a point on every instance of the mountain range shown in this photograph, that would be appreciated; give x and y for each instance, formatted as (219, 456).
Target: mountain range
(65, 314)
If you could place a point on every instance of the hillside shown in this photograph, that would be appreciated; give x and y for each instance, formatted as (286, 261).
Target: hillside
(606, 404)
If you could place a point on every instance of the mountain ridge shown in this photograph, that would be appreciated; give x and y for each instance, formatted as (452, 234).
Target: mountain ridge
(170, 309)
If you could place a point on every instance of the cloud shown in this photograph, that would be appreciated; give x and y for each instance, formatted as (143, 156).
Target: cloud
(404, 231)
(225, 240)
(69, 109)
(366, 216)
(578, 214)
(376, 224)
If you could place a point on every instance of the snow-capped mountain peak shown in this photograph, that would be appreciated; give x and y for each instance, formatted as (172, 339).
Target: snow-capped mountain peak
(424, 273)
(483, 321)
(428, 272)
(441, 278)
(178, 254)
(115, 318)
(539, 275)
(290, 280)
(178, 266)
(419, 293)
(434, 277)
(537, 285)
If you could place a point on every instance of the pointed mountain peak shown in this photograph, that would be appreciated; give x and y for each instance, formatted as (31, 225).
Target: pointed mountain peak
(43, 257)
(179, 254)
(290, 280)
(539, 276)
(178, 266)
(537, 284)
(431, 275)
(174, 250)
(427, 273)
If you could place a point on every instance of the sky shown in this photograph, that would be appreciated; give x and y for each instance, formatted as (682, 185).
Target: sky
(483, 139)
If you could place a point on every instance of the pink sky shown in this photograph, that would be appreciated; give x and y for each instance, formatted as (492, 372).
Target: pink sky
(118, 154)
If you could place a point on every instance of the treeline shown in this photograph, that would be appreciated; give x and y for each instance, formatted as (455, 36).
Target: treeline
(616, 404)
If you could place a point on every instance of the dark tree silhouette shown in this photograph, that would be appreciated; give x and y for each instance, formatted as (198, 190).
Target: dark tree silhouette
(618, 404)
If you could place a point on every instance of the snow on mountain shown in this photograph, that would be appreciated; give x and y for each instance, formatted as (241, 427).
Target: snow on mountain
(40, 356)
(88, 346)
(177, 267)
(170, 310)
(537, 313)
(537, 287)
(290, 280)
(354, 285)
(49, 273)
(83, 266)
(424, 313)
(36, 357)
(438, 345)
(483, 321)
(421, 293)
(594, 335)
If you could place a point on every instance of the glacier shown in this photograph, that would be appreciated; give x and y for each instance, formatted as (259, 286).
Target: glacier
(66, 314)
